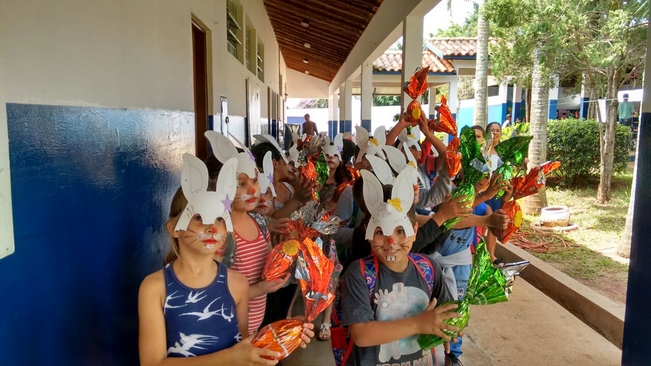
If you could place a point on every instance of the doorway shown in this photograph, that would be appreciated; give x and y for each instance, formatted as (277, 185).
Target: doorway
(200, 76)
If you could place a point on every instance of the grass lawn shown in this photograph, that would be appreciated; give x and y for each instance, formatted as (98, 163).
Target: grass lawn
(589, 251)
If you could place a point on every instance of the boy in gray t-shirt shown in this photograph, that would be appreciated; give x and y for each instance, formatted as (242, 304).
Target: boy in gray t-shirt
(384, 329)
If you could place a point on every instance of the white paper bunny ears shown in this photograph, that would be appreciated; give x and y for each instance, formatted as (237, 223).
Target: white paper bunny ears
(224, 149)
(370, 146)
(210, 205)
(266, 177)
(409, 139)
(336, 148)
(392, 213)
(272, 140)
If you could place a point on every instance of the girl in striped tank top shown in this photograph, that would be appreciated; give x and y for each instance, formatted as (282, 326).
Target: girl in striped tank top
(195, 307)
(251, 242)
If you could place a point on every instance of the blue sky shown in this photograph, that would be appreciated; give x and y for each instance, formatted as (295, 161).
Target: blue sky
(441, 18)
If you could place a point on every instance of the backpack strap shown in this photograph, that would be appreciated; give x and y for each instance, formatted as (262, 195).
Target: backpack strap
(369, 266)
(424, 267)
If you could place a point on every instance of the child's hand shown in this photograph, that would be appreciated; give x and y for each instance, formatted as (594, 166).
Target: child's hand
(308, 332)
(431, 321)
(508, 192)
(272, 286)
(280, 226)
(498, 220)
(496, 184)
(451, 208)
(248, 355)
(303, 189)
(446, 346)
(423, 123)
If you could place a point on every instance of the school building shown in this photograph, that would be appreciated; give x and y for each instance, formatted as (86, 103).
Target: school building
(99, 100)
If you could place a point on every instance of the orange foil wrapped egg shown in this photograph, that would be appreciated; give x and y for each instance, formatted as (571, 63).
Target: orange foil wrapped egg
(283, 336)
(280, 260)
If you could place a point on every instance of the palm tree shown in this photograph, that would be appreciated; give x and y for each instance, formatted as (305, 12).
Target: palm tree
(481, 69)
(538, 127)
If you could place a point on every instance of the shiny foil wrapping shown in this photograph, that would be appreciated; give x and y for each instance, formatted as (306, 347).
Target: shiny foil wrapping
(280, 260)
(314, 272)
(446, 122)
(514, 150)
(415, 87)
(464, 189)
(487, 285)
(283, 336)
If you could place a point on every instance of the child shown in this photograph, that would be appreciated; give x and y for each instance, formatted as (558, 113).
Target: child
(195, 307)
(252, 239)
(384, 327)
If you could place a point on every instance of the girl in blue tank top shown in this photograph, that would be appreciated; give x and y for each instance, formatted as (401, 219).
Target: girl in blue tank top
(195, 306)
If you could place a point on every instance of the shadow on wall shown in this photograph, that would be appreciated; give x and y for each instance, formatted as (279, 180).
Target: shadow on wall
(91, 190)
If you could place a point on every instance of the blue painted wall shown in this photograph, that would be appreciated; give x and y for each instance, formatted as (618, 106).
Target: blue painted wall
(333, 129)
(91, 190)
(465, 117)
(496, 113)
(553, 108)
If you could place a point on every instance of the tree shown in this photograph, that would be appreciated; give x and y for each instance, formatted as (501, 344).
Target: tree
(607, 42)
(312, 103)
(527, 52)
(467, 29)
(384, 100)
(481, 70)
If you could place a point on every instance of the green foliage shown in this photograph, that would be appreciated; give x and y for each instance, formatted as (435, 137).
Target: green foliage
(467, 29)
(386, 100)
(576, 144)
(520, 129)
(312, 103)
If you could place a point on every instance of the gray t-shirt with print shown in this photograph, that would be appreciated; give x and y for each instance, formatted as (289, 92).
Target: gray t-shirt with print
(396, 296)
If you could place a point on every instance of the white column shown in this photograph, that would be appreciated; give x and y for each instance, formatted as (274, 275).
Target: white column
(585, 98)
(503, 96)
(333, 114)
(453, 98)
(367, 94)
(412, 50)
(6, 224)
(432, 101)
(346, 106)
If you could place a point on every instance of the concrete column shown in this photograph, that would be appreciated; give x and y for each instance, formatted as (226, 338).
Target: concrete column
(367, 94)
(517, 103)
(6, 224)
(585, 99)
(346, 106)
(412, 50)
(453, 98)
(333, 114)
(637, 321)
(432, 101)
(553, 97)
(499, 115)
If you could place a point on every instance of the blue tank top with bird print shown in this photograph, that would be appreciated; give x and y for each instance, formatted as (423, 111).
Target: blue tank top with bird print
(199, 321)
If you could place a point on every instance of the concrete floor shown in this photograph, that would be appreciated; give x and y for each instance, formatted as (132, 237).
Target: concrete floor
(529, 329)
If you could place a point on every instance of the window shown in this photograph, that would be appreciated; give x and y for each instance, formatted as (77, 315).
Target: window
(249, 47)
(234, 29)
(260, 61)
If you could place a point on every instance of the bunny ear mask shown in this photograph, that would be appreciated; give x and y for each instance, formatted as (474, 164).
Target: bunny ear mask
(293, 155)
(395, 157)
(410, 139)
(266, 177)
(210, 205)
(381, 169)
(371, 146)
(224, 149)
(336, 148)
(272, 140)
(392, 214)
(412, 163)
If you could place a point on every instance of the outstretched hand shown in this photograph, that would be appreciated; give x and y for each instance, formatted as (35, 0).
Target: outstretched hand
(249, 355)
(432, 320)
(451, 208)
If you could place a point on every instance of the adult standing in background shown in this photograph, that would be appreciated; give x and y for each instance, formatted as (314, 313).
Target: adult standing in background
(625, 111)
(309, 127)
(507, 122)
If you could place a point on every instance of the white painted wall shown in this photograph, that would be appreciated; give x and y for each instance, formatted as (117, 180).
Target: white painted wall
(126, 53)
(6, 216)
(300, 85)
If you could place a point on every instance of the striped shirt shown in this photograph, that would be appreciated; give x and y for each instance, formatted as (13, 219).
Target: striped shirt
(249, 261)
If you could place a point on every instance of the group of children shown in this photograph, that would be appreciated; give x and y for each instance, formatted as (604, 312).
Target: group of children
(209, 300)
